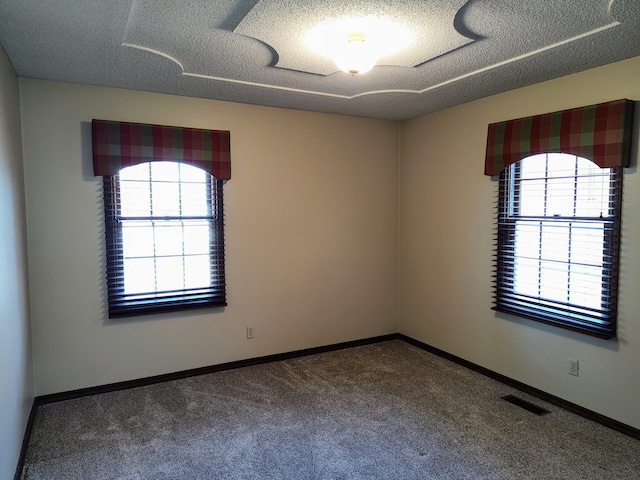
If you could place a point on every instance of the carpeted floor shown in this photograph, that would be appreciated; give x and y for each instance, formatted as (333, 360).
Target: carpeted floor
(382, 411)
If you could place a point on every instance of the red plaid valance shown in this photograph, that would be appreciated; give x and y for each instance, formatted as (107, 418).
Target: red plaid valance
(601, 133)
(120, 144)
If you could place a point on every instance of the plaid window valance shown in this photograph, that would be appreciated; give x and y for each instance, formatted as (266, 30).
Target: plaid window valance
(120, 144)
(601, 133)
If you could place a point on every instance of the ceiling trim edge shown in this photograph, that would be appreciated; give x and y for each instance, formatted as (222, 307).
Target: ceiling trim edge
(375, 92)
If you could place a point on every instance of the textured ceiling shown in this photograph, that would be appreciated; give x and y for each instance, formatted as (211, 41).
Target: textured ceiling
(256, 51)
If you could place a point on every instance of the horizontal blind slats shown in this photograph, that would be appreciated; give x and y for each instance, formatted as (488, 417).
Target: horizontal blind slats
(179, 226)
(557, 249)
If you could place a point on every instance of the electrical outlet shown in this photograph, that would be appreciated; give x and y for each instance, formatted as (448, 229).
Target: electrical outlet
(574, 367)
(250, 332)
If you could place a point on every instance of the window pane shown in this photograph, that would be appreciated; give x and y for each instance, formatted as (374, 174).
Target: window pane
(527, 273)
(587, 244)
(196, 238)
(138, 172)
(555, 241)
(532, 200)
(534, 166)
(556, 215)
(546, 252)
(137, 239)
(139, 275)
(592, 195)
(527, 239)
(194, 200)
(170, 273)
(560, 197)
(197, 271)
(168, 238)
(165, 199)
(159, 255)
(560, 165)
(165, 172)
(554, 278)
(586, 286)
(134, 198)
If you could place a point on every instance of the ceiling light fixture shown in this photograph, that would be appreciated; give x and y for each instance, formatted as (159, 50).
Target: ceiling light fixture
(356, 56)
(368, 39)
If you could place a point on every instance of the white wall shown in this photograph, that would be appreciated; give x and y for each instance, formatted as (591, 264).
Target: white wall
(16, 377)
(447, 210)
(311, 212)
(311, 241)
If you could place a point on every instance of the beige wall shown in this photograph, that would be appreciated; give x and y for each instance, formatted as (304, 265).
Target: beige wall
(310, 236)
(447, 210)
(16, 375)
(311, 214)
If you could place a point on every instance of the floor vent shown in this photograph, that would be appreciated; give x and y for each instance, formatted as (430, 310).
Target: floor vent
(526, 405)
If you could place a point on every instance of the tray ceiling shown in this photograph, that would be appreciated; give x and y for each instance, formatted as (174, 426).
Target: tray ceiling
(434, 54)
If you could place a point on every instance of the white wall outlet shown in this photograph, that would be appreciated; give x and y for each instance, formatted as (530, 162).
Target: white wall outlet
(251, 332)
(574, 367)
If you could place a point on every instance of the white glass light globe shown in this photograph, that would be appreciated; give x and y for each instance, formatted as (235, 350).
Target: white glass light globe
(356, 56)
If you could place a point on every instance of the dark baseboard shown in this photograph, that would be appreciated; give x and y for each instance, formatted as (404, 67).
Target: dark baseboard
(112, 387)
(83, 392)
(140, 382)
(547, 397)
(25, 441)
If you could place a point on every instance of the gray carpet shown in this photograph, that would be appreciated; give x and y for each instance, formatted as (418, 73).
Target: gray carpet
(382, 411)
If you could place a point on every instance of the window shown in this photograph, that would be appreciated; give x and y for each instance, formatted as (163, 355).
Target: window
(558, 225)
(163, 215)
(165, 239)
(558, 242)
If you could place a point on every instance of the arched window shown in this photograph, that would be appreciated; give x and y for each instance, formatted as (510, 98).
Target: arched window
(557, 242)
(163, 215)
(559, 214)
(165, 239)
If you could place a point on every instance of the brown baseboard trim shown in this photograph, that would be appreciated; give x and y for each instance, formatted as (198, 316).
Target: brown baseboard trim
(141, 382)
(112, 387)
(25, 441)
(547, 397)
